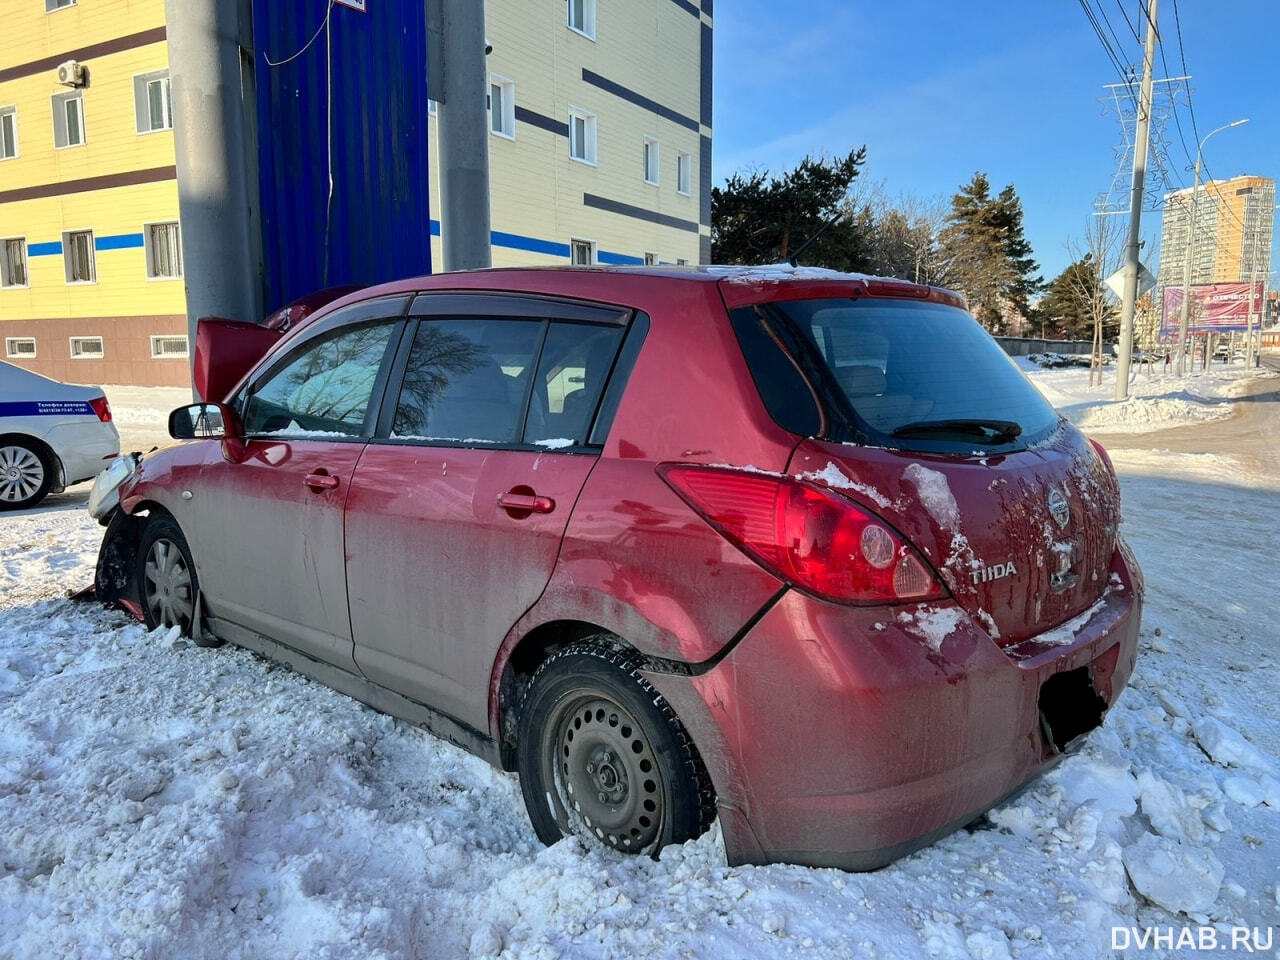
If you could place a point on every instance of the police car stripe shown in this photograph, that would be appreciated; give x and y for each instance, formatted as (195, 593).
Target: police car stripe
(47, 408)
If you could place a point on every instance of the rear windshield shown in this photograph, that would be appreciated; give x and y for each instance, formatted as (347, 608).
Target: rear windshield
(903, 374)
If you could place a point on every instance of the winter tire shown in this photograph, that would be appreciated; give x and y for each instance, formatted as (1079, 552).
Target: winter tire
(26, 474)
(167, 584)
(602, 756)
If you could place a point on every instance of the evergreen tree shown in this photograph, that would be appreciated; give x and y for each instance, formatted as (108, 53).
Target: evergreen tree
(990, 259)
(757, 218)
(1017, 251)
(1069, 306)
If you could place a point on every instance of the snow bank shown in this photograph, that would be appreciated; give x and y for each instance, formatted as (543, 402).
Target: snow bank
(161, 800)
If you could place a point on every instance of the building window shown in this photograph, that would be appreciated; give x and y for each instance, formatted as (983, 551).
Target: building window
(164, 251)
(24, 348)
(52, 5)
(13, 266)
(681, 262)
(168, 346)
(582, 16)
(582, 136)
(582, 253)
(68, 119)
(684, 172)
(153, 102)
(502, 107)
(77, 254)
(8, 133)
(86, 348)
(651, 166)
(650, 259)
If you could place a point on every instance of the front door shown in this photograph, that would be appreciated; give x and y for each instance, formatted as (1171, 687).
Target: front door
(268, 533)
(458, 508)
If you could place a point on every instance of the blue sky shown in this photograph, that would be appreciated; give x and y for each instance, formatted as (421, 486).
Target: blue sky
(937, 90)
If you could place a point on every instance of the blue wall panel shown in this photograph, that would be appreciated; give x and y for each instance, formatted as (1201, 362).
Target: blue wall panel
(351, 111)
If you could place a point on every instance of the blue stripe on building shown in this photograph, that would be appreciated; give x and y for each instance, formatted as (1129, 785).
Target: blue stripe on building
(53, 249)
(550, 248)
(123, 241)
(618, 259)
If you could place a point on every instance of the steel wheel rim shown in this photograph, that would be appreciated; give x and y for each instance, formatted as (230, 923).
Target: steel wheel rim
(21, 474)
(607, 782)
(167, 585)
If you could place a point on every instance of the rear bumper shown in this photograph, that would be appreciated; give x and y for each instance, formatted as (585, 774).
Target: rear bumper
(837, 737)
(85, 448)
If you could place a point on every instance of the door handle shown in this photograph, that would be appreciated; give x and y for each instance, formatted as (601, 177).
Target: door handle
(320, 481)
(520, 504)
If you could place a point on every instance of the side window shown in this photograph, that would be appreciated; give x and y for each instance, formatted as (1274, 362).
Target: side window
(466, 380)
(324, 390)
(572, 372)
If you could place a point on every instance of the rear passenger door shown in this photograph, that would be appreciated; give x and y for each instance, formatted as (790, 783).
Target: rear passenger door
(458, 505)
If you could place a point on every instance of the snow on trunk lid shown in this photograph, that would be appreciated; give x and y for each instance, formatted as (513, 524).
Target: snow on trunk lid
(1023, 540)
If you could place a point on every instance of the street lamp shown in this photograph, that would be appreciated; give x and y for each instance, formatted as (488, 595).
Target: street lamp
(1191, 239)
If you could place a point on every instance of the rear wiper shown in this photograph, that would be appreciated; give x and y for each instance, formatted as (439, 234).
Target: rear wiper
(980, 431)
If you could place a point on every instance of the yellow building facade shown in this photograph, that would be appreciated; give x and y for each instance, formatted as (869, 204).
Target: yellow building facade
(91, 283)
(599, 151)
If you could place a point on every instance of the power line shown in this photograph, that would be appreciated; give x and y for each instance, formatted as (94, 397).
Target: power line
(1209, 178)
(1107, 20)
(1125, 74)
(1132, 28)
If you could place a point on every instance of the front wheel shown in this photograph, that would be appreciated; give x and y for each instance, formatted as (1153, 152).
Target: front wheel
(167, 584)
(601, 755)
(26, 475)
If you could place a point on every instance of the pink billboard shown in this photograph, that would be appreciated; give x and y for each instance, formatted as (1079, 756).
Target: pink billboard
(1214, 306)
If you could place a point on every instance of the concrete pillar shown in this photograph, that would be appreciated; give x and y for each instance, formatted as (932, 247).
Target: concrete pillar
(211, 75)
(456, 61)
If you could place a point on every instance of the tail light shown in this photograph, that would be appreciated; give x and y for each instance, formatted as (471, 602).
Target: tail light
(810, 537)
(101, 408)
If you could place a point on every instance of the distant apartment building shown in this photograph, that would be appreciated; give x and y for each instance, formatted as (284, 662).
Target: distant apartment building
(599, 150)
(1234, 221)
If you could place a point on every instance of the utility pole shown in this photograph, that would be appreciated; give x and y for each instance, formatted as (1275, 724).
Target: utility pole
(457, 80)
(217, 166)
(1191, 247)
(1131, 265)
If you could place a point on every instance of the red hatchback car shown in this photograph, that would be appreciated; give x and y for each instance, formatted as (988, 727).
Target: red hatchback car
(798, 549)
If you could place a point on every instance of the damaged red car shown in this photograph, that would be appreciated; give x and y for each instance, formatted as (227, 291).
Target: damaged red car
(804, 551)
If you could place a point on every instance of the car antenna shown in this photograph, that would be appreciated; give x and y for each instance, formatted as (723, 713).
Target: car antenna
(808, 243)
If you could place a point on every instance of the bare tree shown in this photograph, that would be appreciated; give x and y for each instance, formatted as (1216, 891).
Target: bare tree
(1102, 251)
(901, 232)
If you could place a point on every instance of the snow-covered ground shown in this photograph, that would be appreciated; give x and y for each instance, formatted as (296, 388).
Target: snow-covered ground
(161, 800)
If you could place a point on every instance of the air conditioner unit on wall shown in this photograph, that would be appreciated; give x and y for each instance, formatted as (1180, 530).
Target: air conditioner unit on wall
(71, 74)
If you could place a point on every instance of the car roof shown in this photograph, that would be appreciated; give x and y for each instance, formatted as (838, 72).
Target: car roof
(738, 285)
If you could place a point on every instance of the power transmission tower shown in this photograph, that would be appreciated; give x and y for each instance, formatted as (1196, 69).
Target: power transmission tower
(1122, 100)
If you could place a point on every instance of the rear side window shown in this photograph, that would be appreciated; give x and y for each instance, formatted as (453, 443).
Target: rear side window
(904, 374)
(466, 380)
(505, 381)
(574, 367)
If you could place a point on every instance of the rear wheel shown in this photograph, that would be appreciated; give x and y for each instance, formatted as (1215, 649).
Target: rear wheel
(167, 584)
(25, 475)
(602, 756)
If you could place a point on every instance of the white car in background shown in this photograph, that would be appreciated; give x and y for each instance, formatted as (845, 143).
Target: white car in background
(51, 435)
